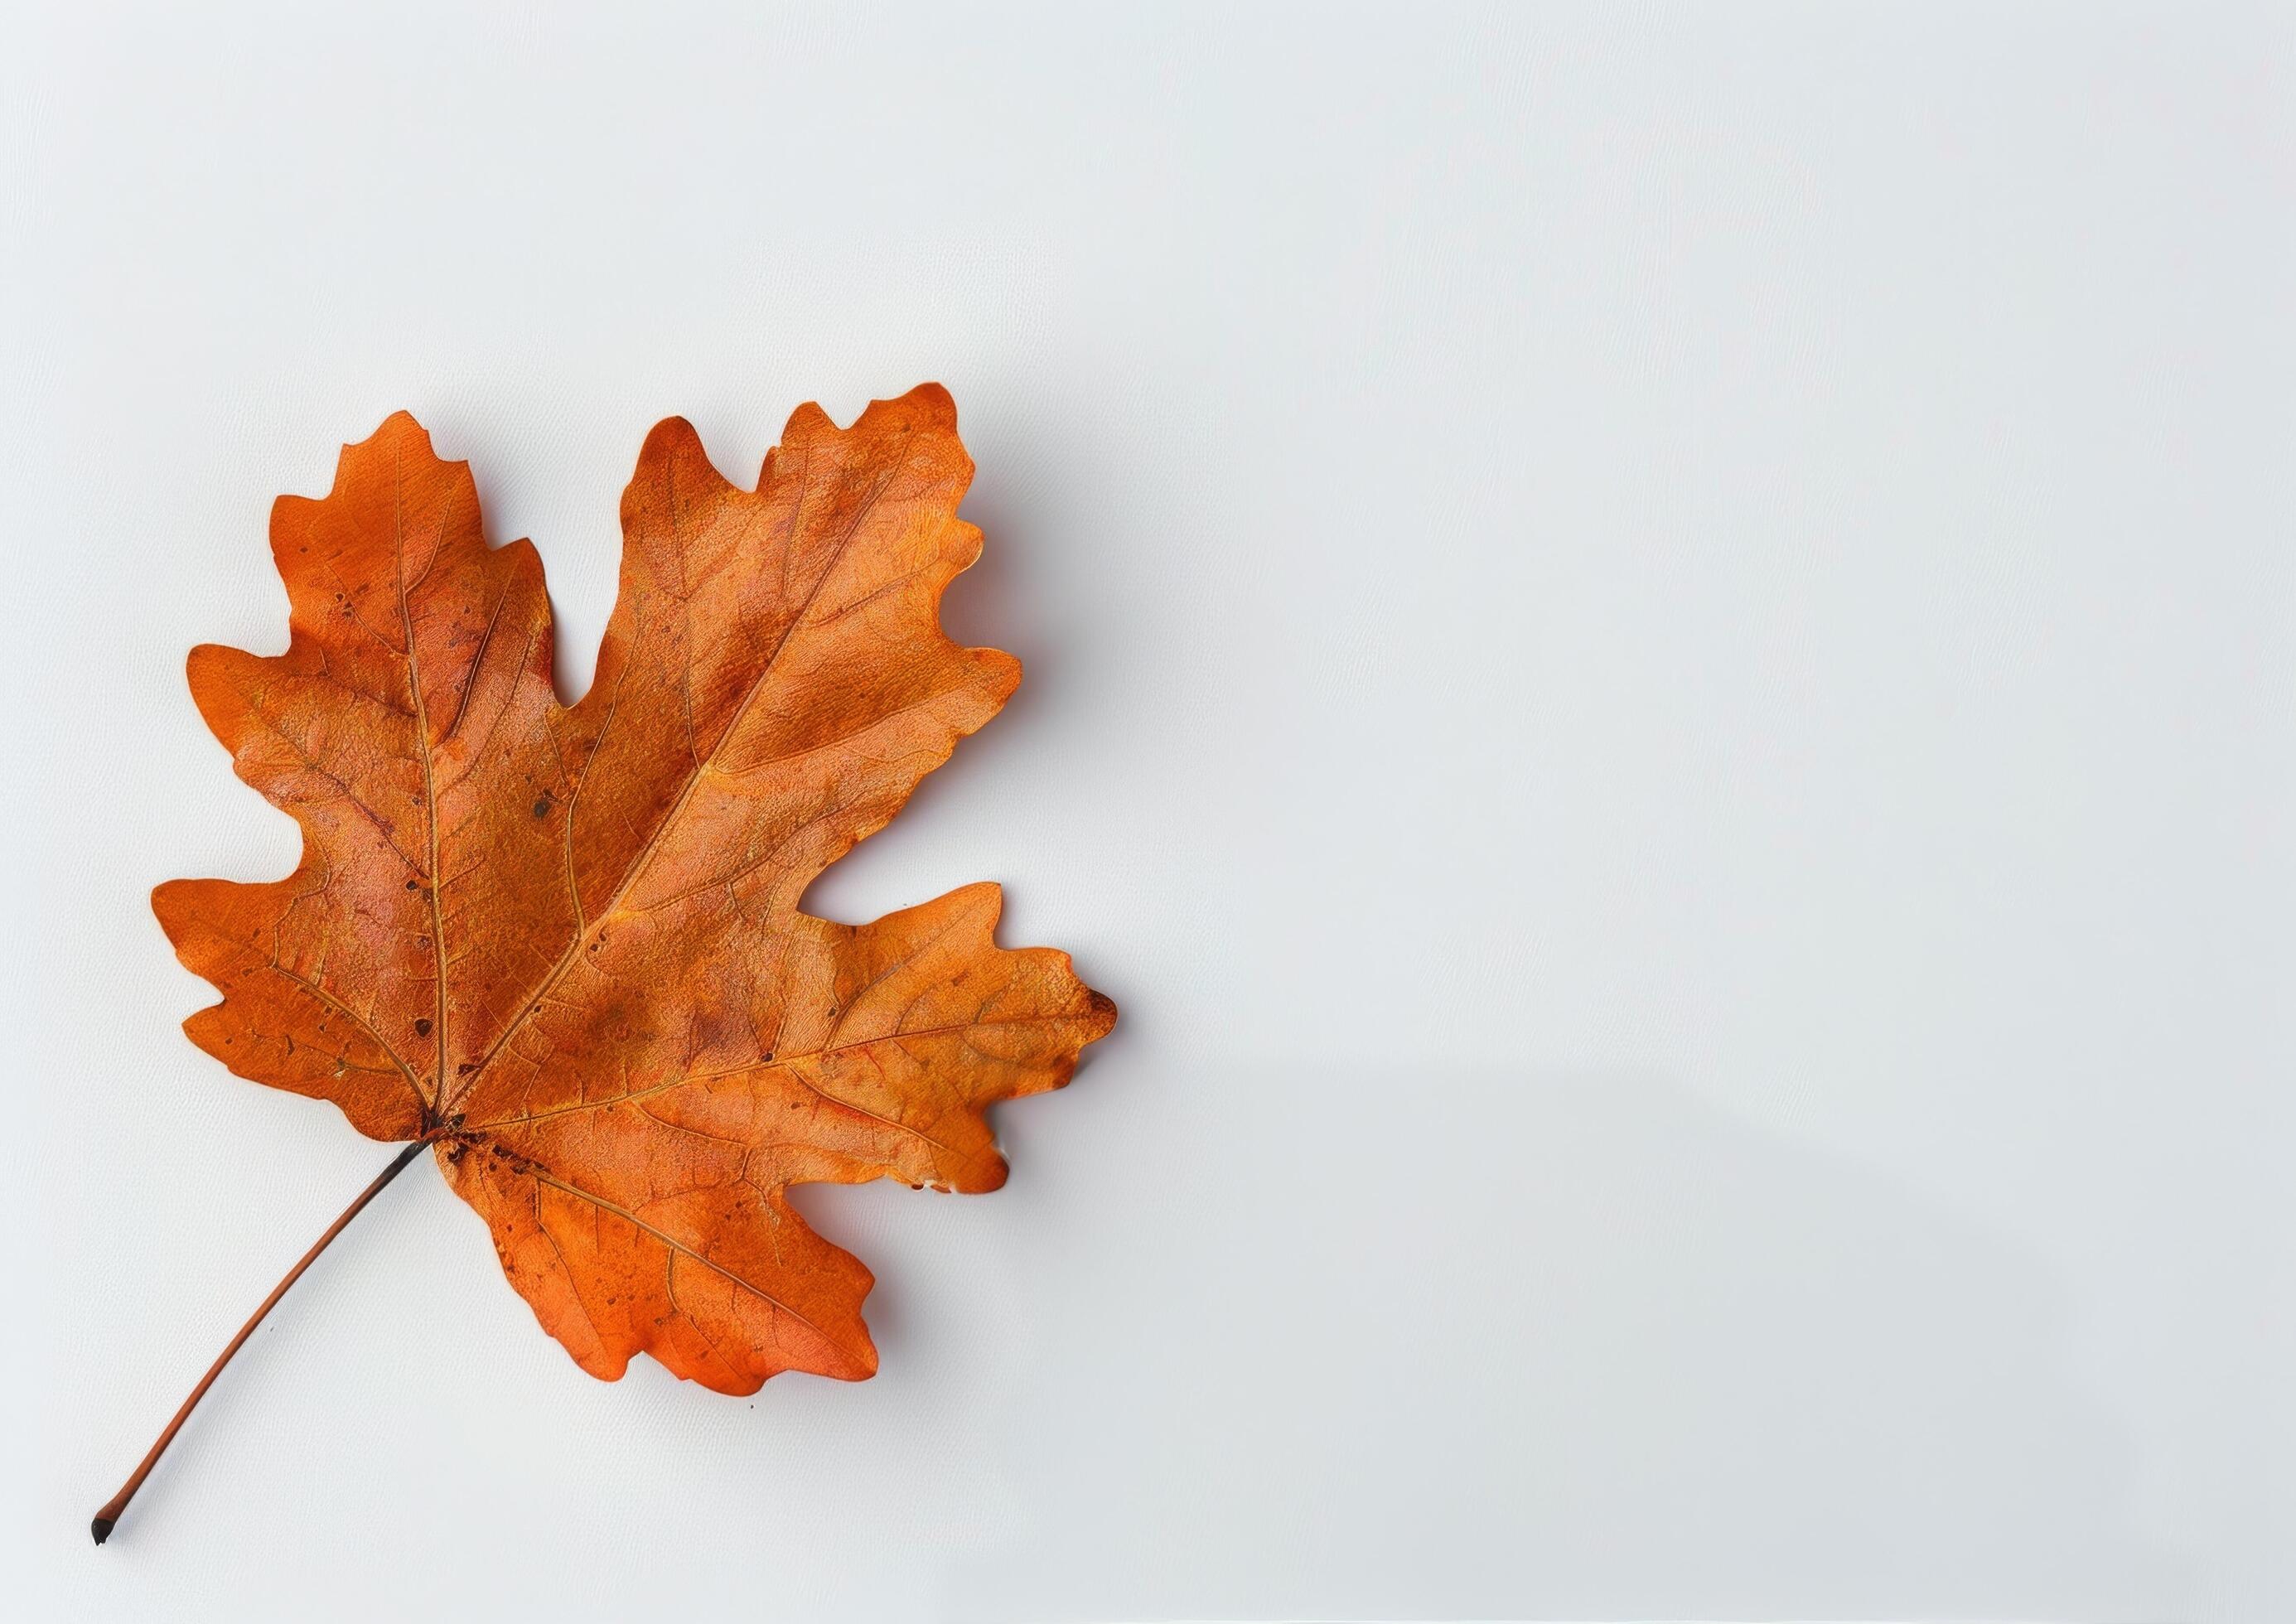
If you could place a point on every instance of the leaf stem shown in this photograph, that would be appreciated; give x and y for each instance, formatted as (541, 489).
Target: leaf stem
(109, 1517)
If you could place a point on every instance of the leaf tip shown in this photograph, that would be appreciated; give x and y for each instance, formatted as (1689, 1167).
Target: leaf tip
(672, 445)
(933, 402)
(1000, 671)
(400, 428)
(171, 905)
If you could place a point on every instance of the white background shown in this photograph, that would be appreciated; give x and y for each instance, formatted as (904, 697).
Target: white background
(1659, 649)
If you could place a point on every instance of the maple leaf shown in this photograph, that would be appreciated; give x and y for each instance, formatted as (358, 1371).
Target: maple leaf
(562, 946)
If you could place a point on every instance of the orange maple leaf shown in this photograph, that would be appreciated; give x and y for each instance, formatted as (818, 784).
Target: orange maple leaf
(562, 946)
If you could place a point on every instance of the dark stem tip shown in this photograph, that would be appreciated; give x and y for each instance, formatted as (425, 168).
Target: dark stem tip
(108, 1515)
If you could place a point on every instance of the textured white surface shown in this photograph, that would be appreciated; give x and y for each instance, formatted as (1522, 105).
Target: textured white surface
(1659, 648)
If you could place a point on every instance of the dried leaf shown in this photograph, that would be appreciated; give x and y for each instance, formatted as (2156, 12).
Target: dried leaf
(562, 944)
